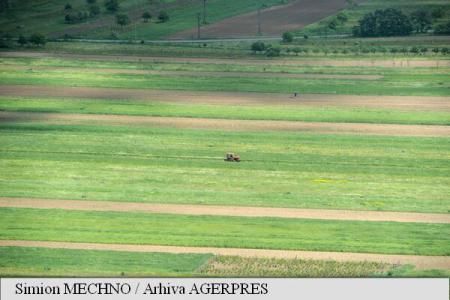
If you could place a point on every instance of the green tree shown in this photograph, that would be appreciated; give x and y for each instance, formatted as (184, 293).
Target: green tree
(387, 22)
(273, 52)
(443, 28)
(22, 41)
(288, 37)
(122, 19)
(38, 39)
(163, 16)
(421, 20)
(94, 10)
(112, 5)
(68, 6)
(258, 46)
(146, 16)
(91, 1)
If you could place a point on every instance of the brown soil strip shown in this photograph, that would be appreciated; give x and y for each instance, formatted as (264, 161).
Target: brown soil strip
(233, 98)
(310, 61)
(241, 211)
(274, 21)
(421, 262)
(232, 125)
(197, 73)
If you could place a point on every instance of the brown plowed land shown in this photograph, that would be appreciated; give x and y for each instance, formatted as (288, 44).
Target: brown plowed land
(421, 262)
(213, 210)
(274, 20)
(231, 125)
(233, 98)
(309, 61)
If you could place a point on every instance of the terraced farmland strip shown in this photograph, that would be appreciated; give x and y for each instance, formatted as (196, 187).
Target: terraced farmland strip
(224, 231)
(214, 210)
(402, 63)
(236, 98)
(420, 262)
(232, 125)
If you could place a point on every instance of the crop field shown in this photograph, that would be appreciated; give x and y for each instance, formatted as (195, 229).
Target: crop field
(344, 171)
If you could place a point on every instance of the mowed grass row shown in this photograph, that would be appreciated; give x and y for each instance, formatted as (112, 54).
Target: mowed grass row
(219, 111)
(248, 65)
(18, 261)
(224, 232)
(159, 165)
(414, 84)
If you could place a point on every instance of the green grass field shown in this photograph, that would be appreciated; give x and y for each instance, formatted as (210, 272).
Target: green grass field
(239, 112)
(234, 232)
(174, 166)
(18, 261)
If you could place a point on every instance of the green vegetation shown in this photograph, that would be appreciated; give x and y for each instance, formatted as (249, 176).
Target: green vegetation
(439, 9)
(433, 84)
(17, 261)
(28, 15)
(233, 232)
(224, 111)
(233, 266)
(279, 169)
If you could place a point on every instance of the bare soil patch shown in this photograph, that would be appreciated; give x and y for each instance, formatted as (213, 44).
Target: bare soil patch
(309, 61)
(321, 214)
(274, 20)
(421, 262)
(233, 125)
(233, 98)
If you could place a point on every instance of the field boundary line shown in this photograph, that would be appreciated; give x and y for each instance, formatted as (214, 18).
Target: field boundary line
(220, 210)
(230, 125)
(420, 262)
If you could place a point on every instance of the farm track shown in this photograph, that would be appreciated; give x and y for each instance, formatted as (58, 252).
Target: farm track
(196, 73)
(309, 61)
(420, 262)
(230, 125)
(233, 98)
(237, 211)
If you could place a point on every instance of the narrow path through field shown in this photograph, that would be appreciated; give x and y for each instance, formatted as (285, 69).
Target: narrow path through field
(323, 214)
(421, 262)
(228, 98)
(230, 125)
(306, 61)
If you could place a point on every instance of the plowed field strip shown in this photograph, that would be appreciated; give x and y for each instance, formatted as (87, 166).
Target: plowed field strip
(421, 262)
(241, 211)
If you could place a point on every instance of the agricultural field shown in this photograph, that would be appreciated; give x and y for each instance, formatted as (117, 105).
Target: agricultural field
(113, 153)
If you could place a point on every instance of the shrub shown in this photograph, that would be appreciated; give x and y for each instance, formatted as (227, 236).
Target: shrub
(112, 5)
(436, 50)
(91, 1)
(22, 41)
(146, 16)
(273, 52)
(38, 39)
(122, 19)
(94, 10)
(288, 37)
(68, 6)
(258, 46)
(163, 16)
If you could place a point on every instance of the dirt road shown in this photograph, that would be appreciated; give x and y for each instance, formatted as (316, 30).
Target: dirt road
(421, 262)
(308, 61)
(231, 125)
(213, 210)
(228, 98)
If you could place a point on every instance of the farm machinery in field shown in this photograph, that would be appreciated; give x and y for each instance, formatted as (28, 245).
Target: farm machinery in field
(231, 157)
